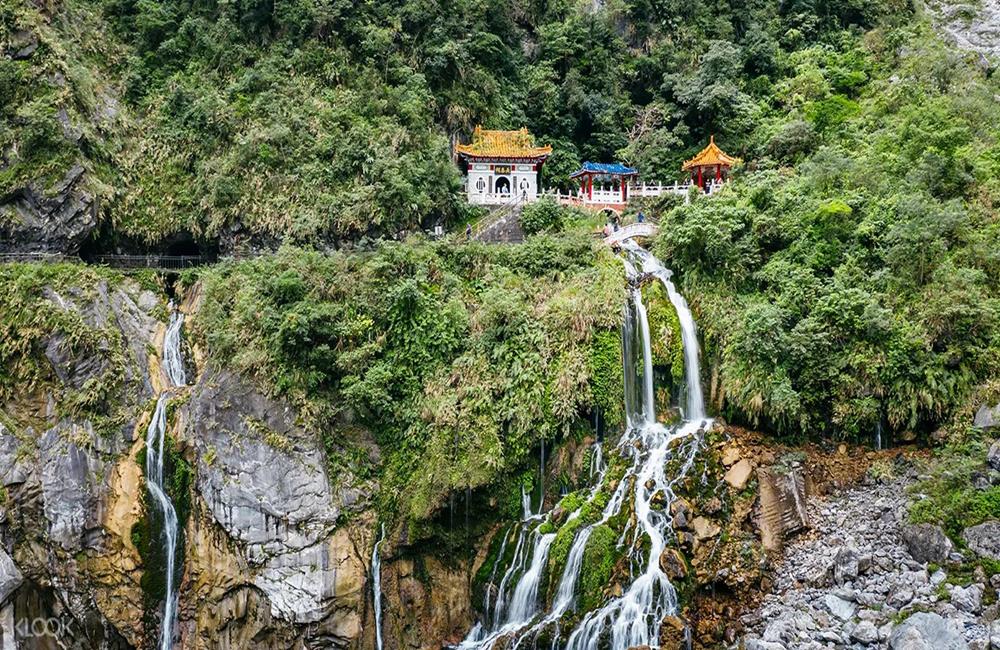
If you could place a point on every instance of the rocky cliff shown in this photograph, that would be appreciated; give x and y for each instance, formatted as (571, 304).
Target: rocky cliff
(277, 548)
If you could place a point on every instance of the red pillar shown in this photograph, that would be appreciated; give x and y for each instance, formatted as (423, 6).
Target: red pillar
(718, 172)
(590, 187)
(701, 181)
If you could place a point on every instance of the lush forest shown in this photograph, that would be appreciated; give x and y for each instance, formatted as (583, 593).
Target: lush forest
(318, 121)
(846, 280)
(458, 359)
(849, 280)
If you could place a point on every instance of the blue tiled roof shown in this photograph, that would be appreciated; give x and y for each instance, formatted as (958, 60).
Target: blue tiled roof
(617, 169)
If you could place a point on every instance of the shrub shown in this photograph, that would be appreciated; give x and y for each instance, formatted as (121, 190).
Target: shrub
(544, 215)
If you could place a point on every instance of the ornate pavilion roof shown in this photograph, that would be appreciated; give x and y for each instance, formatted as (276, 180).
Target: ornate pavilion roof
(604, 169)
(502, 144)
(711, 156)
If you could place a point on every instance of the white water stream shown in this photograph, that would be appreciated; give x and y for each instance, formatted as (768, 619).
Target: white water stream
(634, 618)
(173, 366)
(377, 588)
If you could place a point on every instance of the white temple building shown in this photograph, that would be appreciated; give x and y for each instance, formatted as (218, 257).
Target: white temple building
(502, 166)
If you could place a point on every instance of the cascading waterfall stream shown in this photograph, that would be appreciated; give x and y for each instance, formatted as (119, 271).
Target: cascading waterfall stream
(173, 366)
(634, 618)
(377, 588)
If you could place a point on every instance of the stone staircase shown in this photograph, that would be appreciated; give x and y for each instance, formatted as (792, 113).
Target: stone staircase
(503, 225)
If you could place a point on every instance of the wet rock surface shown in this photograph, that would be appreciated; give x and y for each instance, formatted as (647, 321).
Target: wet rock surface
(852, 582)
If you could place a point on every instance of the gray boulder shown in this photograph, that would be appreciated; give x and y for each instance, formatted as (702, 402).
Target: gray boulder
(995, 635)
(848, 564)
(865, 633)
(927, 543)
(993, 455)
(926, 631)
(842, 609)
(984, 539)
(10, 577)
(987, 417)
(968, 599)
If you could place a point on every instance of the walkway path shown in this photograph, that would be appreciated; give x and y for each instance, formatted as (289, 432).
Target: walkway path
(632, 230)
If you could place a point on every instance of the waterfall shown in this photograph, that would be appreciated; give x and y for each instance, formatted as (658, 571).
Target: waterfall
(524, 603)
(377, 589)
(634, 618)
(695, 409)
(173, 366)
(597, 466)
(173, 361)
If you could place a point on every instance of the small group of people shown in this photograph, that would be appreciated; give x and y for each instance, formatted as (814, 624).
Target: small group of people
(615, 223)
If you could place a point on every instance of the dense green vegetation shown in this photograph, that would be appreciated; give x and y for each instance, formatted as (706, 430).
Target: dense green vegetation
(861, 285)
(847, 278)
(957, 488)
(36, 331)
(460, 359)
(333, 119)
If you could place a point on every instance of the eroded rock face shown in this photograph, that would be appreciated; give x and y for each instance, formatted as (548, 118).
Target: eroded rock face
(264, 485)
(73, 489)
(52, 220)
(972, 26)
(422, 614)
(10, 577)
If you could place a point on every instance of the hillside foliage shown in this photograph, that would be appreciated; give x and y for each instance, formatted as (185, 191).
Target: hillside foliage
(322, 120)
(849, 279)
(460, 359)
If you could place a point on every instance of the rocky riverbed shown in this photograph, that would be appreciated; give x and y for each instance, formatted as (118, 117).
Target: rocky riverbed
(864, 578)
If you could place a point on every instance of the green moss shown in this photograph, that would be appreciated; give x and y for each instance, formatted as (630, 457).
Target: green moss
(599, 560)
(606, 381)
(665, 340)
(559, 551)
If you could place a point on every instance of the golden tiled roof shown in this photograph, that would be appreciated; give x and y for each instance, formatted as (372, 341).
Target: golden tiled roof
(502, 144)
(711, 155)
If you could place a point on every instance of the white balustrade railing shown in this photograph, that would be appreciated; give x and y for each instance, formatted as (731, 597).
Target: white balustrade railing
(604, 194)
(491, 198)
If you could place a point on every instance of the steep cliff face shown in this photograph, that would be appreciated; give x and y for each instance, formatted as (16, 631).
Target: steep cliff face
(69, 482)
(269, 523)
(61, 118)
(972, 26)
(277, 545)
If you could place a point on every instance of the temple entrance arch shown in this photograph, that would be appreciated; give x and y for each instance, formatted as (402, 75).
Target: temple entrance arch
(502, 185)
